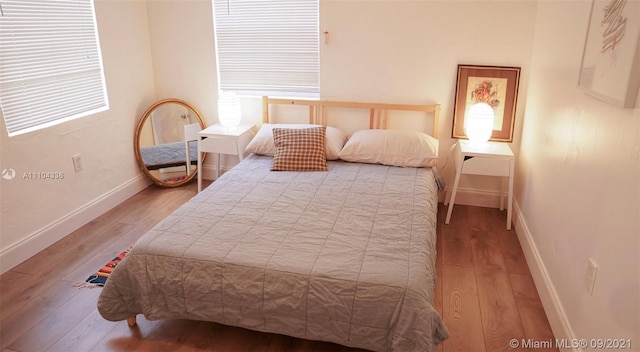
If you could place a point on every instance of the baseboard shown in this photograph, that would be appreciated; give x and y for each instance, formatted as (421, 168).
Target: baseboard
(550, 301)
(48, 235)
(209, 172)
(474, 197)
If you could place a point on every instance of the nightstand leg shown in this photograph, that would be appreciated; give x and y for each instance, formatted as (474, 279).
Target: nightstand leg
(453, 195)
(218, 168)
(199, 165)
(501, 193)
(447, 196)
(240, 156)
(510, 200)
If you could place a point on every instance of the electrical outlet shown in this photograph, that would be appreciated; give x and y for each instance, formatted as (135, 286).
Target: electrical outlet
(77, 163)
(590, 277)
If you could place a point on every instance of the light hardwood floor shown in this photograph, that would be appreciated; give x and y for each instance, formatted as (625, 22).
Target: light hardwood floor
(484, 290)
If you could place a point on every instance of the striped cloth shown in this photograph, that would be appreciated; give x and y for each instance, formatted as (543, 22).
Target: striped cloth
(101, 276)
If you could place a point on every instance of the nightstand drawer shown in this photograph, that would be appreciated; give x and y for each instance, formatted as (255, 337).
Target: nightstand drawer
(490, 159)
(222, 140)
(222, 145)
(486, 166)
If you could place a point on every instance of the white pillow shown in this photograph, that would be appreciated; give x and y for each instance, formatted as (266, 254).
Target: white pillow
(391, 147)
(263, 144)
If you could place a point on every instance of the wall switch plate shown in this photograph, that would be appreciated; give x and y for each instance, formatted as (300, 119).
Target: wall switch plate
(590, 277)
(77, 163)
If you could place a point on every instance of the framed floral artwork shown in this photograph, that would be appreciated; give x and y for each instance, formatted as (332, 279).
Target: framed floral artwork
(494, 85)
(610, 69)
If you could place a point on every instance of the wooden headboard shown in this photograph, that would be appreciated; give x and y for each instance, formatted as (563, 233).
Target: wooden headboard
(377, 111)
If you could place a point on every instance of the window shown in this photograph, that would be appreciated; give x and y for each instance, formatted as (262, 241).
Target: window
(50, 63)
(268, 47)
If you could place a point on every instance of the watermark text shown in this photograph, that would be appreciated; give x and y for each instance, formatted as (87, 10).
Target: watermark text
(11, 174)
(598, 344)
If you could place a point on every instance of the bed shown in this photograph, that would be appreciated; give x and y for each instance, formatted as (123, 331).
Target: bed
(345, 255)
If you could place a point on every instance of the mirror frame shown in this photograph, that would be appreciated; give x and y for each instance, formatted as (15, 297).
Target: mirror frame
(136, 142)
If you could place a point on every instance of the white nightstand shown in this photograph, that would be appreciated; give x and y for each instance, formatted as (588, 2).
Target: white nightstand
(490, 159)
(222, 140)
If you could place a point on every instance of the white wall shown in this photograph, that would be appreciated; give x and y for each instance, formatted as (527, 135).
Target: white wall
(380, 51)
(578, 189)
(175, 47)
(184, 56)
(408, 52)
(36, 213)
(184, 60)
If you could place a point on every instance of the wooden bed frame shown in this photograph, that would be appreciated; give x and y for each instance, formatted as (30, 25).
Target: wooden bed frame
(378, 116)
(378, 112)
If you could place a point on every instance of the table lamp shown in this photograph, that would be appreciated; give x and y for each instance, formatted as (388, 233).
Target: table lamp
(229, 112)
(479, 123)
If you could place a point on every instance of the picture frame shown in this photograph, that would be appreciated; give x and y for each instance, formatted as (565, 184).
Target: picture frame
(494, 85)
(610, 68)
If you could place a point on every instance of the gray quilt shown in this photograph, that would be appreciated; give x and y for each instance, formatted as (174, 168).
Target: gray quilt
(168, 154)
(346, 256)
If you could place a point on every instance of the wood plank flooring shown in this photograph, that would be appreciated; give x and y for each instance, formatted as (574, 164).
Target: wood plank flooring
(484, 290)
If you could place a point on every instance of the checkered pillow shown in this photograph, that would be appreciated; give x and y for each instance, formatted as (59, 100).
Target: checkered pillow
(299, 149)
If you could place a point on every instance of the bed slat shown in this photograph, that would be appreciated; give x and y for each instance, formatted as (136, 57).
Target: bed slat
(378, 112)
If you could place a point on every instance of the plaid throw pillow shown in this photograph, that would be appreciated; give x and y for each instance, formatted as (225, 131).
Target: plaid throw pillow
(299, 149)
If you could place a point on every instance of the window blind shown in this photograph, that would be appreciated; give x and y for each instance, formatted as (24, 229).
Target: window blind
(268, 47)
(50, 63)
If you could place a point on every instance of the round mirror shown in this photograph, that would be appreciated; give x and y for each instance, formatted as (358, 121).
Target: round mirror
(166, 142)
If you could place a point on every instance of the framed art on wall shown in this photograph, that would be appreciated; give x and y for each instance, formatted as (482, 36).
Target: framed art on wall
(494, 85)
(610, 69)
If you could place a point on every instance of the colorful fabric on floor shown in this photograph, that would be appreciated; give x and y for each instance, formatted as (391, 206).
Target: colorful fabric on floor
(101, 276)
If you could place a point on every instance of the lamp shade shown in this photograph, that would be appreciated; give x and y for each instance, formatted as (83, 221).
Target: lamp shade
(229, 112)
(479, 123)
